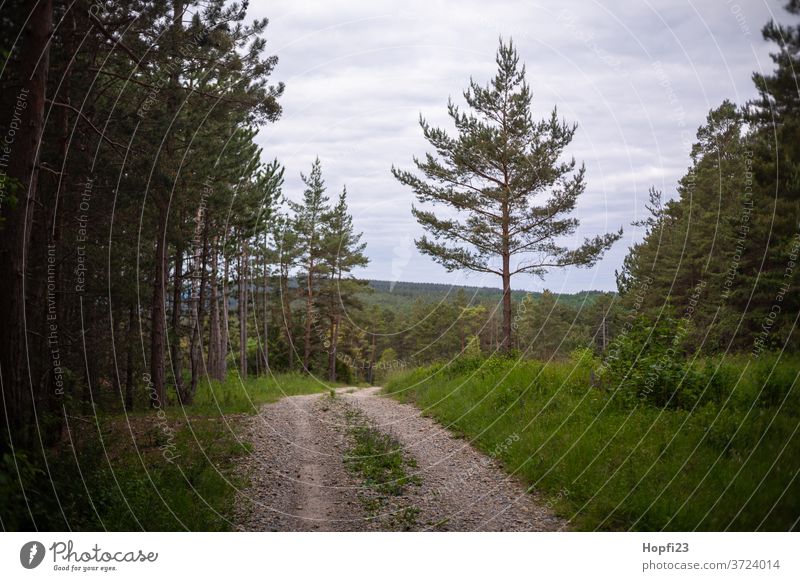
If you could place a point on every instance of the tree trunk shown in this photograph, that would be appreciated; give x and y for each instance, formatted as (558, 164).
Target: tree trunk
(177, 299)
(286, 306)
(506, 242)
(309, 315)
(266, 313)
(243, 283)
(130, 338)
(334, 340)
(157, 323)
(372, 357)
(215, 351)
(224, 338)
(198, 316)
(22, 108)
(506, 341)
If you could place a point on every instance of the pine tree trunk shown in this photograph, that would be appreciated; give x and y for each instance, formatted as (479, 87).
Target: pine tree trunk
(177, 299)
(198, 319)
(31, 72)
(129, 361)
(309, 315)
(215, 334)
(287, 315)
(224, 338)
(506, 242)
(243, 313)
(266, 314)
(506, 341)
(334, 340)
(157, 314)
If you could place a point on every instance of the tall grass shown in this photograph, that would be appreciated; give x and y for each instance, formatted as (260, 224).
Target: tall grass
(143, 471)
(729, 463)
(246, 396)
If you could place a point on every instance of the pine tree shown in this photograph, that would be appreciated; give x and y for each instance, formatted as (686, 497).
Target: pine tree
(767, 267)
(344, 252)
(504, 177)
(308, 222)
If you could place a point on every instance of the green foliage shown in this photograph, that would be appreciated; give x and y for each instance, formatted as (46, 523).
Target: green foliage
(379, 462)
(647, 365)
(384, 470)
(143, 472)
(246, 396)
(121, 481)
(400, 296)
(732, 225)
(728, 464)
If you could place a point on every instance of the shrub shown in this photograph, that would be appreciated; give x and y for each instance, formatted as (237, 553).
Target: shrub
(646, 364)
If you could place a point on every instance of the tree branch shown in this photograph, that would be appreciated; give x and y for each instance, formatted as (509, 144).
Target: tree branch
(88, 122)
(102, 28)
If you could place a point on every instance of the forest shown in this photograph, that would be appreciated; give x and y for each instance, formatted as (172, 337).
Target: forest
(157, 278)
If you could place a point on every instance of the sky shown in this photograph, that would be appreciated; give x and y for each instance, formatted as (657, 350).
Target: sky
(637, 76)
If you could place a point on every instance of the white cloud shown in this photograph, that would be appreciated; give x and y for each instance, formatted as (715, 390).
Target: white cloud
(637, 77)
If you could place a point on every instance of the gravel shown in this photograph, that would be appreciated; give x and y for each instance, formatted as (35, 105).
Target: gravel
(462, 489)
(298, 480)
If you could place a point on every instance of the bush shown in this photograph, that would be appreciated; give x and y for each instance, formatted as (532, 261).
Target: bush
(646, 364)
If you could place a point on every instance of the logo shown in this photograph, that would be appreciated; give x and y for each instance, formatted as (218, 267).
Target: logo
(31, 554)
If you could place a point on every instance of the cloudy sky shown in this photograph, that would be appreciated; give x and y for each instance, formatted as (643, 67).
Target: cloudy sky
(637, 76)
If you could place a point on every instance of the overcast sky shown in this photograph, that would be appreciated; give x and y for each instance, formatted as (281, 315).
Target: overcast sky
(638, 77)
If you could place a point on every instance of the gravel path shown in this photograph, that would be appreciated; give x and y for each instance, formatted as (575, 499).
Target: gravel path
(462, 489)
(299, 481)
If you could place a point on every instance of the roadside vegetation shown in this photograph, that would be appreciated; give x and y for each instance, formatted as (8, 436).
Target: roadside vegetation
(723, 454)
(118, 472)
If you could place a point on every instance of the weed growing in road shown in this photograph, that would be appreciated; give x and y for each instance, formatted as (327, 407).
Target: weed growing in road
(378, 460)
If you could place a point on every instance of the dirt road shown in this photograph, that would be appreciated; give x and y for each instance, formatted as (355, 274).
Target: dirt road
(301, 480)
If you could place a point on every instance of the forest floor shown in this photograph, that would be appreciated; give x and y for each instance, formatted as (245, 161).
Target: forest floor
(353, 460)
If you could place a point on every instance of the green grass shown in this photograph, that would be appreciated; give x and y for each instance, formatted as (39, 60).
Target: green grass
(731, 463)
(378, 461)
(148, 472)
(247, 396)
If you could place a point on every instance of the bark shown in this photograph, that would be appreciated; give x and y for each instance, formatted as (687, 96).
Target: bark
(29, 66)
(177, 299)
(130, 340)
(243, 283)
(506, 341)
(373, 355)
(334, 341)
(309, 315)
(198, 321)
(157, 316)
(266, 314)
(224, 339)
(287, 315)
(158, 312)
(215, 347)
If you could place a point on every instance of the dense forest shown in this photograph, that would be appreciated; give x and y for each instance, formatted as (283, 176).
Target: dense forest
(151, 259)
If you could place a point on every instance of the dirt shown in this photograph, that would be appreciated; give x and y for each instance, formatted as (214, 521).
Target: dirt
(299, 481)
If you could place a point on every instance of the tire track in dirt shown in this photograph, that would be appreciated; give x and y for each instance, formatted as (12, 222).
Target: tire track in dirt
(299, 482)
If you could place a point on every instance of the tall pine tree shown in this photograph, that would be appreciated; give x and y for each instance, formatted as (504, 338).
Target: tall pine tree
(504, 177)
